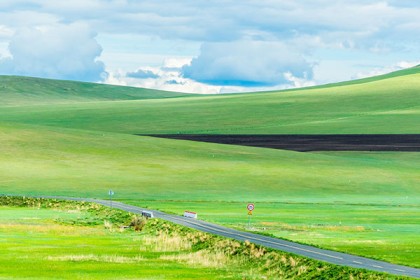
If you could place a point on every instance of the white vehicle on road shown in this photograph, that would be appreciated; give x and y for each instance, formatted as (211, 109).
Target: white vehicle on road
(190, 214)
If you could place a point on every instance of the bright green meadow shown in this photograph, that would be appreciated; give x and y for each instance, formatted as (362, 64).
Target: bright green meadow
(36, 246)
(76, 139)
(389, 105)
(45, 239)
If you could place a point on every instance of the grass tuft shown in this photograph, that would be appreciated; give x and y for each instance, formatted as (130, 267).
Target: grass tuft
(95, 258)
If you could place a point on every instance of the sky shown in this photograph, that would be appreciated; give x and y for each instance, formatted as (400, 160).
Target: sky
(205, 46)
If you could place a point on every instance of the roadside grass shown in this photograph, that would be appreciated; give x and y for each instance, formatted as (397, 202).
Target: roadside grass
(361, 203)
(52, 250)
(386, 232)
(74, 250)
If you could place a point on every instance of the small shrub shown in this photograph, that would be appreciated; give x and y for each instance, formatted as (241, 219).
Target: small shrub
(108, 225)
(138, 223)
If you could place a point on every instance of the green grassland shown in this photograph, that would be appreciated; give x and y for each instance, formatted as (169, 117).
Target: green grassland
(52, 250)
(321, 199)
(53, 245)
(389, 105)
(18, 91)
(68, 138)
(86, 241)
(382, 231)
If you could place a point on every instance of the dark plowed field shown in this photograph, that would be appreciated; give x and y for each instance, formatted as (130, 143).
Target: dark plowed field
(308, 143)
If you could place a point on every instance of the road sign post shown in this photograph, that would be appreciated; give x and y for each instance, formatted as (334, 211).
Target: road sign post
(250, 208)
(110, 193)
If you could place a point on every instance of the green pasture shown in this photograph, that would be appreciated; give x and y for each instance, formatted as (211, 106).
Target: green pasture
(389, 105)
(39, 160)
(18, 91)
(44, 239)
(382, 231)
(76, 139)
(362, 203)
(35, 246)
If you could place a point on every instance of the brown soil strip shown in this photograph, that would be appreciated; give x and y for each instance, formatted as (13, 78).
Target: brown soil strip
(308, 143)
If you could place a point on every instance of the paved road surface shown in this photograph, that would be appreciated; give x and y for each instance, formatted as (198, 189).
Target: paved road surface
(275, 243)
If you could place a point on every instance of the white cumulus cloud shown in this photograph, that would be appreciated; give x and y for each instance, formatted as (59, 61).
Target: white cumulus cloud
(248, 63)
(58, 51)
(245, 44)
(384, 70)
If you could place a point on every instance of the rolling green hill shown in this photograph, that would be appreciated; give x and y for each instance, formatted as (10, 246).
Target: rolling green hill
(79, 142)
(383, 105)
(362, 203)
(17, 91)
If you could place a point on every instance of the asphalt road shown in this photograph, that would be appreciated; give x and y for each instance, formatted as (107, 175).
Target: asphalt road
(270, 242)
(309, 143)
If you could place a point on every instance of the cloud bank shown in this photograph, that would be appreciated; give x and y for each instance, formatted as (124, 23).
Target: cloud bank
(247, 63)
(142, 74)
(244, 44)
(59, 51)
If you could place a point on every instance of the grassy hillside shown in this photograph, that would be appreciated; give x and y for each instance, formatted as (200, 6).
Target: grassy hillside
(388, 105)
(17, 91)
(78, 142)
(316, 198)
(67, 161)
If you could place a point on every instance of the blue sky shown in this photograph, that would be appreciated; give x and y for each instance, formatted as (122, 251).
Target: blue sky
(208, 46)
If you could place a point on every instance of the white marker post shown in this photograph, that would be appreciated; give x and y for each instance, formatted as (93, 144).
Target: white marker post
(111, 193)
(250, 208)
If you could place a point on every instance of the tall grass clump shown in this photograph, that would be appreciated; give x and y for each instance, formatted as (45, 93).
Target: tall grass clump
(208, 250)
(98, 214)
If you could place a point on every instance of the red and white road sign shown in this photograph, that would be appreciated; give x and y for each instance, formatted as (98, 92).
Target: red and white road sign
(250, 206)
